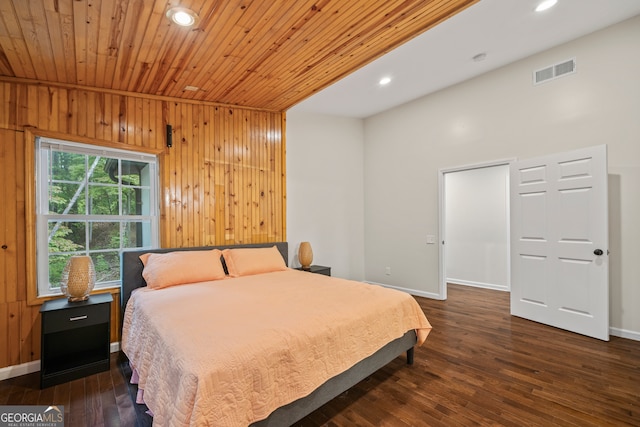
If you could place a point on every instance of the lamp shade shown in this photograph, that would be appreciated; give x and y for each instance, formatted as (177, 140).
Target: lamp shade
(78, 278)
(305, 255)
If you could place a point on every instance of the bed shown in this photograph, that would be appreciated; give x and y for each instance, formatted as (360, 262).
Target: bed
(266, 355)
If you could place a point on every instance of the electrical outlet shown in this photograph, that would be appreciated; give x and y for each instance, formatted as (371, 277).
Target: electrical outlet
(387, 271)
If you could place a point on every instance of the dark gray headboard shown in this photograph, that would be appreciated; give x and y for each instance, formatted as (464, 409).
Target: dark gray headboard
(131, 273)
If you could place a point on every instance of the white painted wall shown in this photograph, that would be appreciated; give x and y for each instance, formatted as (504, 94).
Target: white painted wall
(495, 116)
(325, 191)
(502, 115)
(476, 224)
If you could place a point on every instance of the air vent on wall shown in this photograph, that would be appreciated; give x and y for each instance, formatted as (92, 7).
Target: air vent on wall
(554, 71)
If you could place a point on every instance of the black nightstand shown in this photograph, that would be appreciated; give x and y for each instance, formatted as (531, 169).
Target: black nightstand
(320, 269)
(76, 337)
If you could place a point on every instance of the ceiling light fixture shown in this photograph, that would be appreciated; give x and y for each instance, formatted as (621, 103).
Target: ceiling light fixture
(385, 81)
(182, 16)
(546, 4)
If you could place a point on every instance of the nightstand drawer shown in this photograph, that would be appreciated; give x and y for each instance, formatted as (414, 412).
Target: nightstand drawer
(77, 317)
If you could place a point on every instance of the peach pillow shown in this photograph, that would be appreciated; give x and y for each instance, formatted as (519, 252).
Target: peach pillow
(144, 258)
(248, 261)
(181, 267)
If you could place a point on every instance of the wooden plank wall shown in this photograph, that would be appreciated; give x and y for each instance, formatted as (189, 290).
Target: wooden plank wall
(223, 181)
(19, 323)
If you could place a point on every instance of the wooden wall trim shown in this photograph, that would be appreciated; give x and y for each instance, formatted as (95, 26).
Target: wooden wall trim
(30, 218)
(44, 83)
(35, 133)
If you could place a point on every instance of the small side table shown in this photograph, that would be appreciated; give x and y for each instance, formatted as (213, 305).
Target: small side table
(319, 269)
(75, 338)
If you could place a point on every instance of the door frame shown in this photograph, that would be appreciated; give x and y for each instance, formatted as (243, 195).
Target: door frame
(442, 277)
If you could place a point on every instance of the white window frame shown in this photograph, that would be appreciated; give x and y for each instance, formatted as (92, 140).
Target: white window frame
(43, 148)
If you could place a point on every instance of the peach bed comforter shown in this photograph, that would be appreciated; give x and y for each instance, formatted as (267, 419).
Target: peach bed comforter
(229, 352)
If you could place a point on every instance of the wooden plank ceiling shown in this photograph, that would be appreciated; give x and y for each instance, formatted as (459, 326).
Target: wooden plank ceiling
(267, 54)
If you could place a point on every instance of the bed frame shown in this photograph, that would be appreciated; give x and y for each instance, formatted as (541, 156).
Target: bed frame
(286, 415)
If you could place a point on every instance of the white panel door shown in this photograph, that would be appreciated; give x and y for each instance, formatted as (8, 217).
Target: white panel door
(559, 241)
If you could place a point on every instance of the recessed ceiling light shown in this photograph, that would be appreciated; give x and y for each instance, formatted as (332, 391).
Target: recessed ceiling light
(546, 4)
(182, 16)
(385, 81)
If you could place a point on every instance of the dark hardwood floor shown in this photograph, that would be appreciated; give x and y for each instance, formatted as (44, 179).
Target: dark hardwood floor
(479, 366)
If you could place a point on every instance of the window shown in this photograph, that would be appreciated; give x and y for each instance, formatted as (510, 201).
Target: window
(94, 201)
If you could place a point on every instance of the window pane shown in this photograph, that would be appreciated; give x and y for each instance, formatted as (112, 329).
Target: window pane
(145, 202)
(132, 172)
(100, 167)
(67, 198)
(67, 166)
(56, 265)
(103, 200)
(137, 234)
(107, 265)
(66, 236)
(104, 235)
(131, 201)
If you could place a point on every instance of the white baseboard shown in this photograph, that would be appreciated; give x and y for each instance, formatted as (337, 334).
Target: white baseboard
(31, 367)
(624, 333)
(478, 284)
(19, 370)
(409, 291)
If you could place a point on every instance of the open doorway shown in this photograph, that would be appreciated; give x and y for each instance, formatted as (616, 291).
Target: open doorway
(474, 226)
